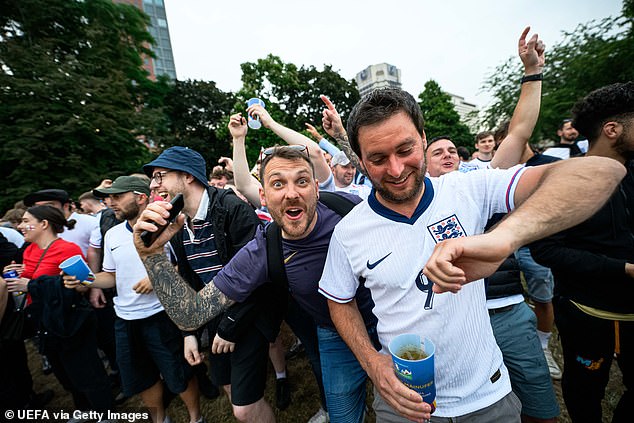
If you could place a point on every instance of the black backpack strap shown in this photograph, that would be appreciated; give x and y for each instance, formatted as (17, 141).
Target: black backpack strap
(335, 202)
(275, 255)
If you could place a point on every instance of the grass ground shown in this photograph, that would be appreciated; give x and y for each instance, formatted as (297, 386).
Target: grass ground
(305, 396)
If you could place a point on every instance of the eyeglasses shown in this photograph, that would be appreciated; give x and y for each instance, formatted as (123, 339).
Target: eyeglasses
(301, 148)
(158, 176)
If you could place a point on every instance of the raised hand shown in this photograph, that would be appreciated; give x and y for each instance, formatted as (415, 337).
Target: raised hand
(531, 52)
(313, 132)
(331, 121)
(256, 110)
(237, 126)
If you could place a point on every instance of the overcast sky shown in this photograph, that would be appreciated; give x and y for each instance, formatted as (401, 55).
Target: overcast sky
(457, 43)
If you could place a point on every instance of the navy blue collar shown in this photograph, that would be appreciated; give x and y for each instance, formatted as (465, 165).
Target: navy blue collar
(128, 227)
(425, 201)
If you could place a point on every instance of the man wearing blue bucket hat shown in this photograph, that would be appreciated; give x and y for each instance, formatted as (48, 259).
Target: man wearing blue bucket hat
(218, 224)
(149, 345)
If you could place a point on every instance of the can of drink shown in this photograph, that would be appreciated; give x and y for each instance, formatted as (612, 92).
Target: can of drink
(18, 297)
(11, 274)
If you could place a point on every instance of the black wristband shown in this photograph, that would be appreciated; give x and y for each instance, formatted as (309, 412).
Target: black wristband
(533, 77)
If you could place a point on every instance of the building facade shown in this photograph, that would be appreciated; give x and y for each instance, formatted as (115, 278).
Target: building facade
(163, 64)
(468, 112)
(381, 75)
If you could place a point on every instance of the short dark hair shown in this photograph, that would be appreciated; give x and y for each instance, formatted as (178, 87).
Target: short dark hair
(463, 153)
(88, 195)
(219, 172)
(378, 106)
(438, 138)
(53, 215)
(563, 122)
(612, 102)
(482, 135)
(283, 152)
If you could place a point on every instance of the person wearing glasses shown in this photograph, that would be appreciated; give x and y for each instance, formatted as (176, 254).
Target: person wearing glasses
(290, 190)
(217, 225)
(148, 342)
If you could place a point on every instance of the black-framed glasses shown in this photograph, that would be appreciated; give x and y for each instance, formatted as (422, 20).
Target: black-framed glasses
(158, 176)
(301, 148)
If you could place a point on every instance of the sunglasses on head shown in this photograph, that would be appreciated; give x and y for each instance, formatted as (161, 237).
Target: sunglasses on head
(301, 148)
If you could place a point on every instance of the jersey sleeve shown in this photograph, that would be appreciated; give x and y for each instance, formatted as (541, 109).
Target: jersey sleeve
(108, 261)
(493, 189)
(338, 282)
(328, 184)
(95, 237)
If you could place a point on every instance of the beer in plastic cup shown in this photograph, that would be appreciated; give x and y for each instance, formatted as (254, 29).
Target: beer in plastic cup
(413, 358)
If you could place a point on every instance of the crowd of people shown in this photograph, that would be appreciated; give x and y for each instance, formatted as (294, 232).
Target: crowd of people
(351, 241)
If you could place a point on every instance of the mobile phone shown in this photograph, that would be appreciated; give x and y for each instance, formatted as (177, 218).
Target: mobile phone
(177, 205)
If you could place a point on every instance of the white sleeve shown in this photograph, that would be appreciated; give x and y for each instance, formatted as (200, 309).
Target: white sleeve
(108, 261)
(328, 184)
(95, 237)
(338, 282)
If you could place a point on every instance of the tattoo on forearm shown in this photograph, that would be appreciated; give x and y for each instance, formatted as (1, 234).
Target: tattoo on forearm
(342, 140)
(187, 308)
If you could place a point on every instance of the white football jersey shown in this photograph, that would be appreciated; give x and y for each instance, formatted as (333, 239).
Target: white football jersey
(387, 252)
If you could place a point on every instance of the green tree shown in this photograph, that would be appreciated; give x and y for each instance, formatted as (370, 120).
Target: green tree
(291, 95)
(441, 117)
(196, 112)
(72, 92)
(595, 54)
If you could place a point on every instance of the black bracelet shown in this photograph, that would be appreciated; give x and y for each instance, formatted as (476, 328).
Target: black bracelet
(533, 77)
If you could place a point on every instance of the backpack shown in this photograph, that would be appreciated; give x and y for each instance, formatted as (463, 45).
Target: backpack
(274, 253)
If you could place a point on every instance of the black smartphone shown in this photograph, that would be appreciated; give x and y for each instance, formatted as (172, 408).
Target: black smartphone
(177, 205)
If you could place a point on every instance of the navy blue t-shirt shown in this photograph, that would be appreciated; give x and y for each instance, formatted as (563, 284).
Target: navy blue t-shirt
(305, 259)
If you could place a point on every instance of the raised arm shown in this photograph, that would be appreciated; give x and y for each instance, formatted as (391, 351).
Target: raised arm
(331, 122)
(324, 144)
(322, 170)
(245, 182)
(551, 198)
(187, 308)
(527, 109)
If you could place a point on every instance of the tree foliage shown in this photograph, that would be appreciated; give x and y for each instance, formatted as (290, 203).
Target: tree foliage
(196, 112)
(595, 54)
(291, 95)
(71, 90)
(441, 117)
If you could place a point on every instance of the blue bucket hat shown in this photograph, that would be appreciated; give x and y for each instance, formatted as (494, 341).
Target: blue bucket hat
(180, 158)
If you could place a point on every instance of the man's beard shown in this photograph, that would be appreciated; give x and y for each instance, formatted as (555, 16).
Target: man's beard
(128, 214)
(296, 229)
(402, 197)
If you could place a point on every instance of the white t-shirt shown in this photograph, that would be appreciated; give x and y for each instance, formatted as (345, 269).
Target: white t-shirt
(121, 257)
(82, 231)
(362, 191)
(389, 251)
(13, 236)
(480, 164)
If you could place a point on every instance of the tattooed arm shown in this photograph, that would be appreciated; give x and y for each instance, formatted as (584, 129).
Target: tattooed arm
(332, 124)
(187, 308)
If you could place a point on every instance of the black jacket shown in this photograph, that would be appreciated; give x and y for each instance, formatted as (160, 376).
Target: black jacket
(234, 225)
(588, 260)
